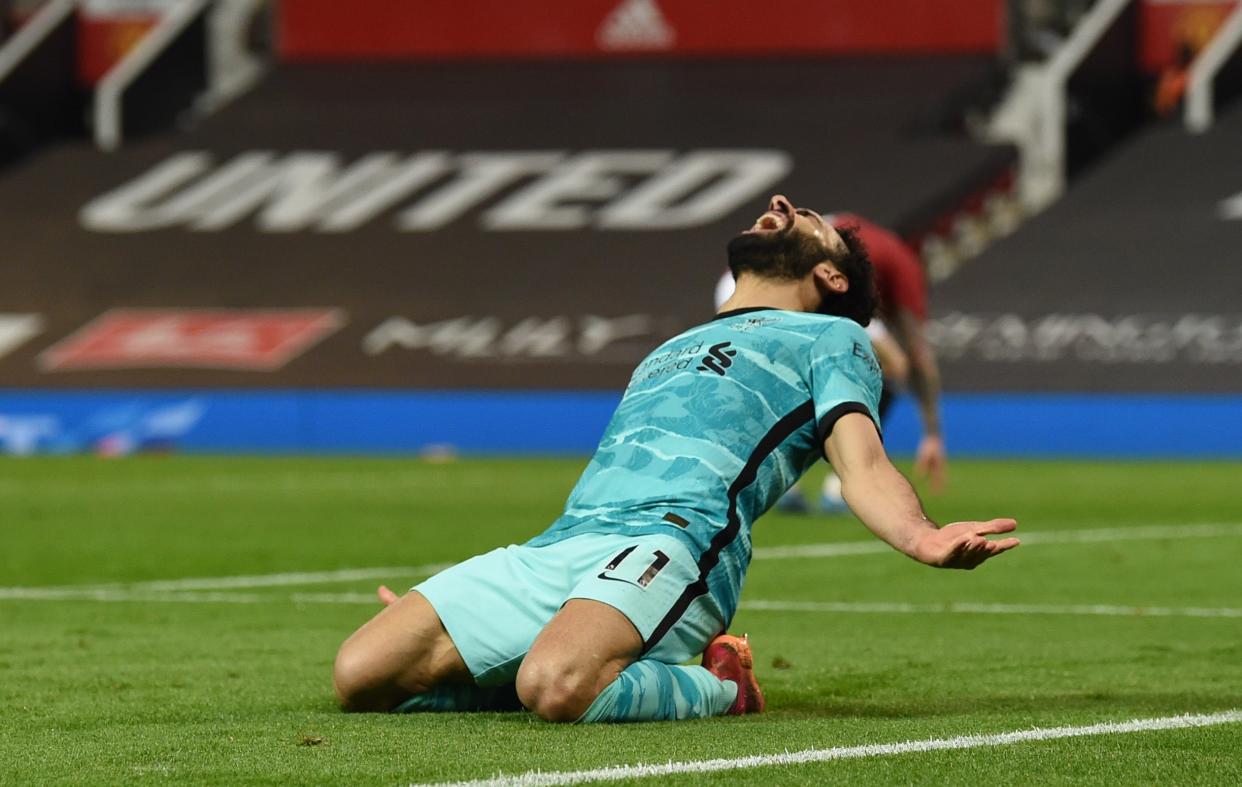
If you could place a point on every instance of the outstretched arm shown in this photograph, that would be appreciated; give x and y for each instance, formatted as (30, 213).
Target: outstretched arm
(883, 499)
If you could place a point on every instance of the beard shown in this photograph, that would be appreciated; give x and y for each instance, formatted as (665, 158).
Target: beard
(840, 304)
(783, 256)
(788, 256)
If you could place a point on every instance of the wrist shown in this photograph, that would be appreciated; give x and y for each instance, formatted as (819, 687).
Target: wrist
(921, 545)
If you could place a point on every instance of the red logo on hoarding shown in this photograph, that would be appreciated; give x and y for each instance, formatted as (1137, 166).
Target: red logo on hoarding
(251, 339)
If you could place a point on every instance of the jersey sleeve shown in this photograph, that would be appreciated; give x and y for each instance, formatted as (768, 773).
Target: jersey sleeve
(844, 377)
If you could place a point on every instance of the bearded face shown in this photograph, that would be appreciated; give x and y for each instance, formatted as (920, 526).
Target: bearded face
(786, 255)
(787, 243)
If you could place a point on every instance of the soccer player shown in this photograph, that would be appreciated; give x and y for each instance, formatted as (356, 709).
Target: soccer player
(897, 337)
(592, 620)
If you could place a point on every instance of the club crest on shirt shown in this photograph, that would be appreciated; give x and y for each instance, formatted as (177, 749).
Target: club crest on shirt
(754, 323)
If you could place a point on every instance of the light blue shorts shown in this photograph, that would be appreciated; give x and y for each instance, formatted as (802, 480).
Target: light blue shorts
(494, 605)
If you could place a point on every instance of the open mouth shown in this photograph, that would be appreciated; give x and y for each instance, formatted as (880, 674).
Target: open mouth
(772, 221)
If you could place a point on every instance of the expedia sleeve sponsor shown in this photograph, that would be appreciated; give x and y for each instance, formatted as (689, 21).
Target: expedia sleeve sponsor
(844, 377)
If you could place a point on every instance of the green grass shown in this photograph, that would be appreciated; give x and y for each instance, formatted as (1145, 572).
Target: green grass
(159, 691)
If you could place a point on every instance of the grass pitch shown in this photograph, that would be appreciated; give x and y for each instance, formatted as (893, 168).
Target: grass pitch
(125, 658)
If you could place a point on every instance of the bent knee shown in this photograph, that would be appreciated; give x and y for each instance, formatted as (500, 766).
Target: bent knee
(555, 692)
(402, 651)
(361, 681)
(351, 677)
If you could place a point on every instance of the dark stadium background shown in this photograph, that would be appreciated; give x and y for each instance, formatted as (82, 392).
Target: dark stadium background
(457, 227)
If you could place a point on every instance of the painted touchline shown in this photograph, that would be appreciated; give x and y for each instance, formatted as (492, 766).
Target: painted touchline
(969, 608)
(863, 607)
(1038, 538)
(840, 549)
(639, 771)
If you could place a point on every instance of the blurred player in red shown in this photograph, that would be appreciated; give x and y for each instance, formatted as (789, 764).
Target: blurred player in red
(905, 355)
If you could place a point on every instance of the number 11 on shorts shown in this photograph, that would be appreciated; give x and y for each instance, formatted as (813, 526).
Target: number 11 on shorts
(650, 563)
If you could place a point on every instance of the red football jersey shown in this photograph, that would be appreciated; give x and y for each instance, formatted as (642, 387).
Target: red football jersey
(898, 271)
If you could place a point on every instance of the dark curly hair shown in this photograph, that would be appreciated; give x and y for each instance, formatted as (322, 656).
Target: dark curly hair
(859, 302)
(791, 256)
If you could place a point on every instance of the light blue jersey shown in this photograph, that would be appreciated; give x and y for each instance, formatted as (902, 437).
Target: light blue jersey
(715, 425)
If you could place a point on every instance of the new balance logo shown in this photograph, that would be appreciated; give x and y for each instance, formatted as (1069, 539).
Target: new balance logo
(636, 24)
(719, 357)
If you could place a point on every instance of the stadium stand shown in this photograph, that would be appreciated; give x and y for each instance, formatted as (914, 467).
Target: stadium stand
(1128, 289)
(445, 236)
(851, 134)
(40, 99)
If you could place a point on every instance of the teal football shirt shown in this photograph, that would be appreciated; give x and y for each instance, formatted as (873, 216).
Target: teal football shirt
(715, 425)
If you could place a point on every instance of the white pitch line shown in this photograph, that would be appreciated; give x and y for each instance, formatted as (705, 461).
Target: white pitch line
(881, 607)
(840, 549)
(231, 583)
(180, 597)
(639, 771)
(295, 578)
(123, 595)
(1096, 535)
(105, 595)
(1141, 533)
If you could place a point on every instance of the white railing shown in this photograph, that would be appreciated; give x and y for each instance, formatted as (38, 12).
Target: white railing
(1033, 114)
(111, 89)
(232, 68)
(25, 40)
(1200, 96)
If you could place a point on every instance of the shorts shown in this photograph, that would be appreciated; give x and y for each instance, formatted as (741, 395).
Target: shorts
(494, 605)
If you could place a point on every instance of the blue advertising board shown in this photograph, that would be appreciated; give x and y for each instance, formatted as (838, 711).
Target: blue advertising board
(570, 422)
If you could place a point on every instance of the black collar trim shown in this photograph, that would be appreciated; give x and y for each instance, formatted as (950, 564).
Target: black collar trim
(747, 310)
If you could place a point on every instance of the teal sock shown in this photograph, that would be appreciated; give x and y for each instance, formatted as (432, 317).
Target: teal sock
(652, 691)
(447, 699)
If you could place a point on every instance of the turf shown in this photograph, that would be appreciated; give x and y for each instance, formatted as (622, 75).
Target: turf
(197, 687)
